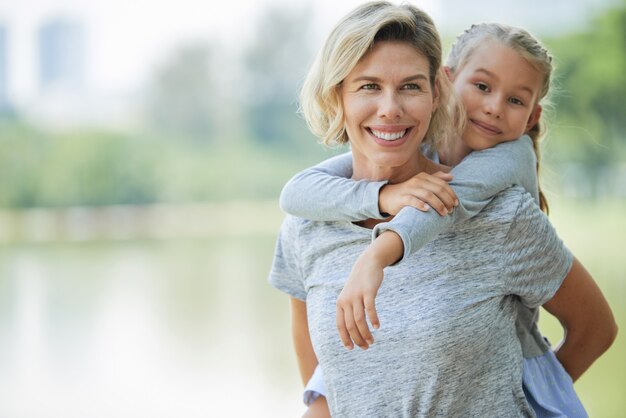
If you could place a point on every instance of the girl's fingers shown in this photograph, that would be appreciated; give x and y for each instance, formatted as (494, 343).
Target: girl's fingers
(353, 330)
(343, 331)
(370, 310)
(362, 327)
(443, 176)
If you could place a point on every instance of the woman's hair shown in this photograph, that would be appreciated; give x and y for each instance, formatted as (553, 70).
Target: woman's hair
(528, 47)
(351, 39)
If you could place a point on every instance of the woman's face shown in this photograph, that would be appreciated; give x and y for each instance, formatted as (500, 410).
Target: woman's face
(499, 90)
(388, 102)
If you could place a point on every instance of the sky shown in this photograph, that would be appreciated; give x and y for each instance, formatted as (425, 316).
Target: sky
(128, 38)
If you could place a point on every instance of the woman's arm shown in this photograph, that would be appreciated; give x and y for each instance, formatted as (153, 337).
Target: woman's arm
(586, 317)
(307, 360)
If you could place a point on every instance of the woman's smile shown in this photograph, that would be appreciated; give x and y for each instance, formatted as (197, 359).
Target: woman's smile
(389, 136)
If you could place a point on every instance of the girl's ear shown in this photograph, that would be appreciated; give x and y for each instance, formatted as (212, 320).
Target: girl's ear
(448, 72)
(534, 118)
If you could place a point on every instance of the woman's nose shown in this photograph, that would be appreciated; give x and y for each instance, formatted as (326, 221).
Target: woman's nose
(390, 106)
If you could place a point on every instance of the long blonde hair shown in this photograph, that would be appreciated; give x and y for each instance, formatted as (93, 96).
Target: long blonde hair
(528, 47)
(351, 39)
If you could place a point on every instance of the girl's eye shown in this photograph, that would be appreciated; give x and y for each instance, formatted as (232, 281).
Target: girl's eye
(516, 101)
(482, 86)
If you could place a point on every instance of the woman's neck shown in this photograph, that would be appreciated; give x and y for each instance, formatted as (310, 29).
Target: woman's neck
(367, 170)
(454, 153)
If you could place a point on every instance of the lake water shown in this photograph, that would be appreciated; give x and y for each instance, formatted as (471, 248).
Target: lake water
(180, 326)
(166, 312)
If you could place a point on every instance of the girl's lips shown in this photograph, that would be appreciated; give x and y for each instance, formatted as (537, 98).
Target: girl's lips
(485, 127)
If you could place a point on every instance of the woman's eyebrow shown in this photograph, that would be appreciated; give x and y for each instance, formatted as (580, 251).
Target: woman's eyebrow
(378, 79)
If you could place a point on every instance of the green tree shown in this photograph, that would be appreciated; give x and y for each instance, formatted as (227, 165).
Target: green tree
(590, 126)
(276, 62)
(181, 99)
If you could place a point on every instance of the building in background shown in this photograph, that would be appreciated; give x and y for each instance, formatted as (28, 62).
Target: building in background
(62, 98)
(61, 53)
(4, 72)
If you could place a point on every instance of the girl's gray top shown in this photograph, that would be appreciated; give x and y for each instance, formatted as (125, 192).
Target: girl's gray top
(447, 345)
(326, 193)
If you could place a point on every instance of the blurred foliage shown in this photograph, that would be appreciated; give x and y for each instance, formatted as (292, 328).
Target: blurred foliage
(96, 167)
(182, 99)
(212, 133)
(276, 62)
(590, 102)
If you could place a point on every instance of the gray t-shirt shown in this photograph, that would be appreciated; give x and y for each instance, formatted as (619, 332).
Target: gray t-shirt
(447, 345)
(325, 192)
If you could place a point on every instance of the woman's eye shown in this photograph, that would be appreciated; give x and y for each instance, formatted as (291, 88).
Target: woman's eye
(482, 86)
(369, 86)
(411, 86)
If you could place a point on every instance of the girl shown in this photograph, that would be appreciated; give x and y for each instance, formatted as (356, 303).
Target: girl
(500, 74)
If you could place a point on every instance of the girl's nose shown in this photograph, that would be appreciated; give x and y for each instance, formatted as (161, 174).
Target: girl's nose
(493, 106)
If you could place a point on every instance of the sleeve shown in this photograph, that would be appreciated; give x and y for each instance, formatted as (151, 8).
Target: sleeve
(535, 260)
(315, 387)
(477, 179)
(286, 274)
(325, 192)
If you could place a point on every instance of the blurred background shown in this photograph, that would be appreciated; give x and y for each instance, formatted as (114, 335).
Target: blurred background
(143, 146)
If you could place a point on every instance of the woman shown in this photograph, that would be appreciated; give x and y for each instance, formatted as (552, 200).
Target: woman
(449, 347)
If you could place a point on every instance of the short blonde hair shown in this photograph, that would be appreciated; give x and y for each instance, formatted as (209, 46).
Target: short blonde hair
(350, 40)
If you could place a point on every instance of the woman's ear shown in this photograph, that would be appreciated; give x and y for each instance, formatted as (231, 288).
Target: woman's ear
(448, 72)
(436, 91)
(534, 117)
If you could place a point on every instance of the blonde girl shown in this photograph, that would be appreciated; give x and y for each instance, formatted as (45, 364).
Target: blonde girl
(501, 74)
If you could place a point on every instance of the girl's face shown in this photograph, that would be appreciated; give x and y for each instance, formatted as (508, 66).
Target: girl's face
(388, 103)
(500, 92)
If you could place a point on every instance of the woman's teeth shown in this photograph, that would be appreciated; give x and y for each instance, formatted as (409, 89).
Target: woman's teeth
(388, 136)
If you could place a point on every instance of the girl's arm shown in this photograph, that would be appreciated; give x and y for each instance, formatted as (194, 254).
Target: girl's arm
(586, 317)
(476, 180)
(327, 193)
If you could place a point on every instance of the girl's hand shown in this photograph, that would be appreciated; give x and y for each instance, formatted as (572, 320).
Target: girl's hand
(356, 300)
(421, 192)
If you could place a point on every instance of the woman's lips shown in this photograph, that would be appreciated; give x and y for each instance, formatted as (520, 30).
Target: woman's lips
(388, 137)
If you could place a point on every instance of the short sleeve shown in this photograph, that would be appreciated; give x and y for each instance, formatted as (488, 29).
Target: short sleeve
(535, 259)
(285, 274)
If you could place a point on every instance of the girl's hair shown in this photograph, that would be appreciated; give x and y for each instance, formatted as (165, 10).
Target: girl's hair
(351, 39)
(528, 47)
